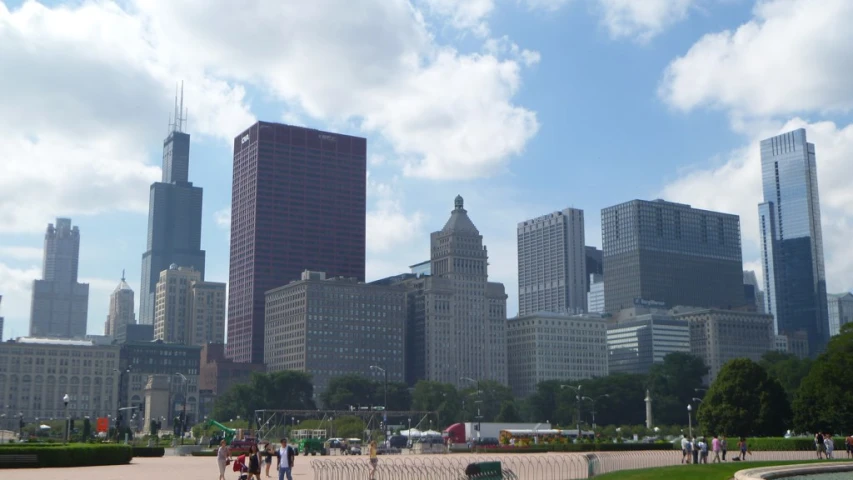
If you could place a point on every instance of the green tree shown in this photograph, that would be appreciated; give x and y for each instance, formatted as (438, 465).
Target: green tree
(823, 400)
(787, 368)
(673, 384)
(509, 413)
(438, 397)
(399, 397)
(278, 390)
(488, 400)
(350, 390)
(87, 429)
(744, 401)
(542, 404)
(348, 427)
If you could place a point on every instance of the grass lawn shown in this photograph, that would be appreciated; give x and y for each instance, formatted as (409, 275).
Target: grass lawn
(715, 471)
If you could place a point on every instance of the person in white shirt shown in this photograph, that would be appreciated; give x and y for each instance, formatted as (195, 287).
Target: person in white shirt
(286, 457)
(685, 450)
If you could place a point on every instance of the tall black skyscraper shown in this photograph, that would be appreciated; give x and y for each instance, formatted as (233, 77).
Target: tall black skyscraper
(174, 217)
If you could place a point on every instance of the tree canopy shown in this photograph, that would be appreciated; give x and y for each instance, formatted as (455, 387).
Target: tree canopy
(673, 384)
(788, 369)
(744, 401)
(359, 391)
(823, 399)
(277, 390)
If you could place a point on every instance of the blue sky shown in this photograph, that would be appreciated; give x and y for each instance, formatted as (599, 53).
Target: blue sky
(521, 106)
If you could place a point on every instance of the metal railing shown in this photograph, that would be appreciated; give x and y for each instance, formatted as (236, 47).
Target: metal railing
(452, 467)
(546, 466)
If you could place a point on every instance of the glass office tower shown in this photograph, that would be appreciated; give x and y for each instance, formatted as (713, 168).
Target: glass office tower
(791, 239)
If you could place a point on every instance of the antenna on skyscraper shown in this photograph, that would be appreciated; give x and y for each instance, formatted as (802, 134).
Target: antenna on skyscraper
(181, 118)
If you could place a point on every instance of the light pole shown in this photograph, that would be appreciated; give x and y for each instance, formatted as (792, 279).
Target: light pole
(690, 420)
(593, 400)
(578, 394)
(184, 414)
(479, 401)
(118, 410)
(385, 384)
(66, 399)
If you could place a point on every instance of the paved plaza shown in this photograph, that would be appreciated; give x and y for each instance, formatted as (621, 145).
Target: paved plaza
(205, 468)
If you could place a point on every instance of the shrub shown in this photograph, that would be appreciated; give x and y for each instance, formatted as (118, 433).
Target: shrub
(574, 447)
(73, 455)
(783, 444)
(204, 453)
(148, 451)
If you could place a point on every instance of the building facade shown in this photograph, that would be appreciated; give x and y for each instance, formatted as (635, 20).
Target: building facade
(141, 360)
(553, 346)
(188, 310)
(840, 309)
(335, 326)
(594, 261)
(174, 219)
(456, 318)
(552, 263)
(298, 202)
(219, 373)
(595, 297)
(672, 253)
(36, 373)
(634, 345)
(1, 320)
(792, 239)
(60, 304)
(121, 312)
(717, 336)
(752, 290)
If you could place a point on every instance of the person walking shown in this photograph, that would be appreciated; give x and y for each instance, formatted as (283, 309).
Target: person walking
(715, 446)
(286, 457)
(703, 450)
(743, 447)
(694, 445)
(829, 445)
(374, 459)
(268, 454)
(254, 462)
(685, 450)
(724, 446)
(820, 447)
(223, 458)
(849, 444)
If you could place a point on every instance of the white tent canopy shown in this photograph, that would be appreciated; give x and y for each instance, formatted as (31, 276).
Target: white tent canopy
(431, 433)
(412, 432)
(44, 427)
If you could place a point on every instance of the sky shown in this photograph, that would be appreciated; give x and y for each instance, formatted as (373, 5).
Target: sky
(523, 107)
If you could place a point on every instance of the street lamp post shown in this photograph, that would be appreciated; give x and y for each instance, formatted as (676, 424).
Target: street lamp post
(479, 401)
(118, 409)
(184, 414)
(593, 400)
(578, 395)
(66, 399)
(20, 426)
(690, 420)
(385, 386)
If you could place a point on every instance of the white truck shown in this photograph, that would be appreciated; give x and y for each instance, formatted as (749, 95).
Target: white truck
(471, 431)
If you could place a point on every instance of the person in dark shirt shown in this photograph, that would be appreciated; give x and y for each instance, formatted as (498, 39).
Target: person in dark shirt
(254, 462)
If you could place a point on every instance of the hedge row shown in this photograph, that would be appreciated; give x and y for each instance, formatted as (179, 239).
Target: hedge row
(72, 455)
(148, 451)
(575, 447)
(784, 444)
(204, 453)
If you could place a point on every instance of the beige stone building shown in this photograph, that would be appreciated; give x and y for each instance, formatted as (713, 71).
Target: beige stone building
(188, 310)
(121, 313)
(335, 326)
(457, 318)
(718, 336)
(36, 373)
(554, 346)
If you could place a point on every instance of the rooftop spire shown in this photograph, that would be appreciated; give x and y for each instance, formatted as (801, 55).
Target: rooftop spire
(122, 274)
(180, 113)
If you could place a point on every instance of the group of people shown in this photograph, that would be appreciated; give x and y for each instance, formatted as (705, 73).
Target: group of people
(256, 458)
(695, 450)
(285, 456)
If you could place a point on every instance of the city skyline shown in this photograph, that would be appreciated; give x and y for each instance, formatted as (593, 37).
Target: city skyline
(679, 139)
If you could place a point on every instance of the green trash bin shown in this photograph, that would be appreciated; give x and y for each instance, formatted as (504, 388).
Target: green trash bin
(484, 471)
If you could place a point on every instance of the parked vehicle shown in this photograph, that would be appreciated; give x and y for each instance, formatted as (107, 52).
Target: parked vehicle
(398, 441)
(353, 446)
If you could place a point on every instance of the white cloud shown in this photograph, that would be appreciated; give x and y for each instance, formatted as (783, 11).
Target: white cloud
(547, 5)
(382, 68)
(222, 218)
(735, 187)
(91, 99)
(463, 14)
(642, 19)
(792, 57)
(505, 46)
(388, 226)
(15, 286)
(20, 253)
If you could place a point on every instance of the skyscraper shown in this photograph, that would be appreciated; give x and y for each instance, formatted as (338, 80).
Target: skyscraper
(669, 252)
(840, 308)
(187, 310)
(1, 321)
(552, 263)
(60, 304)
(298, 202)
(456, 323)
(752, 290)
(791, 239)
(174, 218)
(121, 312)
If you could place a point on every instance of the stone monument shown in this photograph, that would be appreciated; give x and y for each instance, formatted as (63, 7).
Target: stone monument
(156, 399)
(648, 409)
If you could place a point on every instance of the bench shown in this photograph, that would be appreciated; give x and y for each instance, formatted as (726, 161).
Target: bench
(18, 460)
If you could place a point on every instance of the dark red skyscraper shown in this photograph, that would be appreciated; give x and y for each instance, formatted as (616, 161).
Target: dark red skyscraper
(298, 202)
